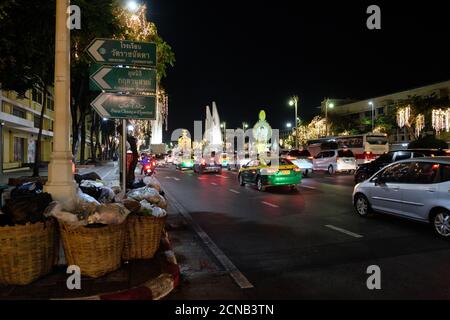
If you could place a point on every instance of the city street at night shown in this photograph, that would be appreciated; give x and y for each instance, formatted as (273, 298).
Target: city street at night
(225, 159)
(309, 244)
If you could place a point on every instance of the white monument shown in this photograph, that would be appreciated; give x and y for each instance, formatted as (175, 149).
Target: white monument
(213, 133)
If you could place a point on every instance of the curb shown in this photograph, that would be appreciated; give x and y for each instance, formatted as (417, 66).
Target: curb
(154, 289)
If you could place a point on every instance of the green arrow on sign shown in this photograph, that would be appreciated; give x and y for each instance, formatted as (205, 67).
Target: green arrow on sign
(124, 79)
(122, 52)
(110, 105)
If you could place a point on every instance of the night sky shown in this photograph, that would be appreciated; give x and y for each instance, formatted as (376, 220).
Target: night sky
(249, 55)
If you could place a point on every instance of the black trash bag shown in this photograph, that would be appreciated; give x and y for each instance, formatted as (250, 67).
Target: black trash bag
(78, 178)
(94, 192)
(138, 184)
(27, 208)
(5, 220)
(91, 176)
(27, 189)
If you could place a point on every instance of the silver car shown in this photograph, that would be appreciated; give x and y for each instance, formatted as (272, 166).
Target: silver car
(417, 189)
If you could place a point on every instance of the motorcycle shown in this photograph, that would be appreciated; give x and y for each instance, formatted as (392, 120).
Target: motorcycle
(149, 169)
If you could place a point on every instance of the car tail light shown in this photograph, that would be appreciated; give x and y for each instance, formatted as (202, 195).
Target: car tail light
(203, 162)
(435, 166)
(297, 169)
(310, 158)
(337, 158)
(291, 158)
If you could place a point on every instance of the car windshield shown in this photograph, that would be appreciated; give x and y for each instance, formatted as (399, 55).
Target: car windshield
(381, 140)
(281, 162)
(299, 153)
(346, 154)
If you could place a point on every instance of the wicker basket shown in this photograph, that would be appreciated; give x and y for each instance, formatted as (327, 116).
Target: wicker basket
(27, 252)
(142, 237)
(97, 251)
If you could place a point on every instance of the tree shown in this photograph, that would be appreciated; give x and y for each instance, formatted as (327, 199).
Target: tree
(27, 55)
(98, 20)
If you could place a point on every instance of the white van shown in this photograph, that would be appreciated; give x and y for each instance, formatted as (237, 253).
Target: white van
(332, 161)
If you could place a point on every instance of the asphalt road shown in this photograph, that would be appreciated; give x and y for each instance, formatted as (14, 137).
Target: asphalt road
(310, 244)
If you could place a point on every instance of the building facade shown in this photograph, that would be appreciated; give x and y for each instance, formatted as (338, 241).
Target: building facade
(380, 106)
(19, 127)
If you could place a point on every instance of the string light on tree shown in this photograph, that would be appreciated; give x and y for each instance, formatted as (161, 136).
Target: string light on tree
(403, 116)
(420, 124)
(440, 120)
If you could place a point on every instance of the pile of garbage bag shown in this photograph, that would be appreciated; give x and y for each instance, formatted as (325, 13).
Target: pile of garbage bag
(88, 212)
(97, 189)
(26, 205)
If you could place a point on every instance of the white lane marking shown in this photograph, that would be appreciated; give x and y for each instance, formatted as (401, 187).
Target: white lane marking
(352, 234)
(234, 191)
(218, 175)
(308, 187)
(234, 272)
(168, 177)
(177, 179)
(214, 184)
(201, 178)
(270, 204)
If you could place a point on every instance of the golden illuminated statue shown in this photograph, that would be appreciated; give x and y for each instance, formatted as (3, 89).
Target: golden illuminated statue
(262, 132)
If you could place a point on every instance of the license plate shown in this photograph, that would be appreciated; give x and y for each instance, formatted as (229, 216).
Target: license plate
(285, 172)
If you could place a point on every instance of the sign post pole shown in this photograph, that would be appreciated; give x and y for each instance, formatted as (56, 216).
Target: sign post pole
(124, 155)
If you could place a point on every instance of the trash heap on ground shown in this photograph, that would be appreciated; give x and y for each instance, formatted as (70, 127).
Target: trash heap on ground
(107, 227)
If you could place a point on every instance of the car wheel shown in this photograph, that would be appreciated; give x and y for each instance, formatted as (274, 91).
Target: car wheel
(259, 184)
(360, 177)
(362, 206)
(306, 173)
(441, 223)
(220, 171)
(241, 180)
(293, 188)
(330, 170)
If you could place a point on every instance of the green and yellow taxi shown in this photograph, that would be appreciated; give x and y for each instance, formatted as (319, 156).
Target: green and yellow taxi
(266, 172)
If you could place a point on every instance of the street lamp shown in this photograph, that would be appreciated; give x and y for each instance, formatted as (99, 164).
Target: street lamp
(294, 102)
(331, 106)
(244, 126)
(371, 104)
(289, 125)
(132, 6)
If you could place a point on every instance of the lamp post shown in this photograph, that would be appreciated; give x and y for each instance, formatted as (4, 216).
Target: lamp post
(61, 184)
(331, 106)
(288, 125)
(372, 113)
(294, 102)
(244, 126)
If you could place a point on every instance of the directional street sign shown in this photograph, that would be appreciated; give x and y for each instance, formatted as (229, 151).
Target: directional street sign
(110, 105)
(122, 52)
(123, 79)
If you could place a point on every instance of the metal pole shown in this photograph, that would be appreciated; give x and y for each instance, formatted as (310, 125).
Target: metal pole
(373, 113)
(1, 149)
(296, 131)
(326, 117)
(124, 155)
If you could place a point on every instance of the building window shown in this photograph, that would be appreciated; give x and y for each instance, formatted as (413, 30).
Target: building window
(50, 125)
(37, 96)
(19, 147)
(50, 103)
(6, 107)
(18, 112)
(380, 110)
(37, 119)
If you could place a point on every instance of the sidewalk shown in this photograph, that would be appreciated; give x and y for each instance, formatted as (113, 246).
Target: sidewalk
(139, 279)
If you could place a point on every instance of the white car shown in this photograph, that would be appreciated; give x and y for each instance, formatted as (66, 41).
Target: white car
(335, 161)
(417, 189)
(302, 159)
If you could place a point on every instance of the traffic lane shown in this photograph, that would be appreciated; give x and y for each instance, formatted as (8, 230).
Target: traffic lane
(275, 249)
(324, 205)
